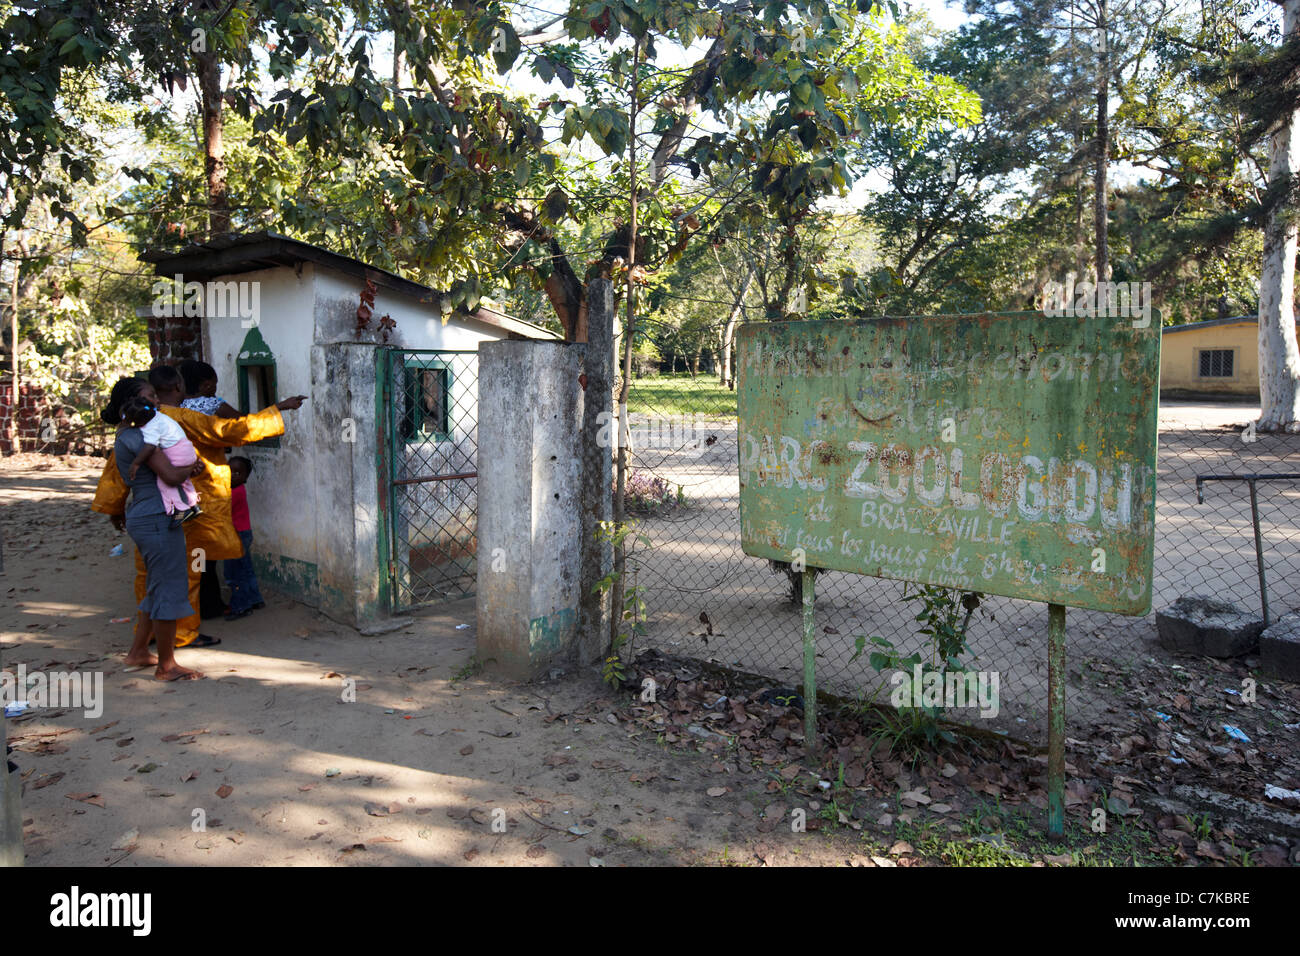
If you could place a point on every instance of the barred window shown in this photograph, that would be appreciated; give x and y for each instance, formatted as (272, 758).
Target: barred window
(1216, 363)
(427, 413)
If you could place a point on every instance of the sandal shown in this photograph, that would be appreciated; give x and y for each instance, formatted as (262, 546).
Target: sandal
(203, 640)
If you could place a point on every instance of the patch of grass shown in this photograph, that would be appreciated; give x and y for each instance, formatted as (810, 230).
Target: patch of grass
(1023, 827)
(1200, 825)
(967, 853)
(679, 395)
(726, 859)
(473, 667)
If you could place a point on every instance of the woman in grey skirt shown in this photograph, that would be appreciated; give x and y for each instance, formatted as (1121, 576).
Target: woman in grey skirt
(161, 544)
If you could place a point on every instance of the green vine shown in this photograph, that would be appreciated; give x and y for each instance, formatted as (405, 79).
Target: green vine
(632, 615)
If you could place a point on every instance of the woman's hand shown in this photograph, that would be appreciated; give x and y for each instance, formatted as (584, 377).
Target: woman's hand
(291, 403)
(119, 521)
(197, 468)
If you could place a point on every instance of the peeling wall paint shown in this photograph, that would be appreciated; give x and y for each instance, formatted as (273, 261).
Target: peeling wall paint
(549, 635)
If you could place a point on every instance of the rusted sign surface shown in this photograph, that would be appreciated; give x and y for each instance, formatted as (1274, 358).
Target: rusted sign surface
(1012, 454)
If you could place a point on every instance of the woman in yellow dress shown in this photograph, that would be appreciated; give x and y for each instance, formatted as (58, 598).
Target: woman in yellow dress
(210, 536)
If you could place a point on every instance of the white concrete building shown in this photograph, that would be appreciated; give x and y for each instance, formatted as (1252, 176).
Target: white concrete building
(367, 503)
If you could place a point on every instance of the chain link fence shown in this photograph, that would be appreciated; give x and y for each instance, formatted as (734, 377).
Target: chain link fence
(707, 600)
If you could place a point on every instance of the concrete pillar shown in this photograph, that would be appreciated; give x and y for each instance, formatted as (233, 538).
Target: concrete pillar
(529, 515)
(348, 507)
(11, 810)
(598, 428)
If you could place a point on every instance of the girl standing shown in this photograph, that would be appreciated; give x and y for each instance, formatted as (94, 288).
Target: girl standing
(161, 543)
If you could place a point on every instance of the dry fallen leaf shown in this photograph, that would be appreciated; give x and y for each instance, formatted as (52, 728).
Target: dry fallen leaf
(94, 798)
(48, 779)
(225, 790)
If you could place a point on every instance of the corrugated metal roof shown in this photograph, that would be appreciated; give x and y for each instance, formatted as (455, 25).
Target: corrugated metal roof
(1190, 326)
(233, 254)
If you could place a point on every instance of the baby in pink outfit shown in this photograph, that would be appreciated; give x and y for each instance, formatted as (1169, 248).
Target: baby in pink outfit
(159, 431)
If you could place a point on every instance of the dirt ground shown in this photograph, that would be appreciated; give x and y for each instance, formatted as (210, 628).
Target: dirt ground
(439, 762)
(412, 772)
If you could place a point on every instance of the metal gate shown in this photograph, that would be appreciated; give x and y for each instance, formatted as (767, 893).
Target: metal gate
(429, 412)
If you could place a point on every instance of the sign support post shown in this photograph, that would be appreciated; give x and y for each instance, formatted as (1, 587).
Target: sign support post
(1055, 721)
(1006, 454)
(809, 664)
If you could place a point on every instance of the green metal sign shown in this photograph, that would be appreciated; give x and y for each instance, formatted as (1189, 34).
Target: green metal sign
(1010, 453)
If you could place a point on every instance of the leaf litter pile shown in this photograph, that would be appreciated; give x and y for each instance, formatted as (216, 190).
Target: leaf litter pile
(1174, 784)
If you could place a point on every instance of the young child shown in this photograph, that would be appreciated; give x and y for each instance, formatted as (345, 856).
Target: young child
(159, 431)
(245, 597)
(201, 390)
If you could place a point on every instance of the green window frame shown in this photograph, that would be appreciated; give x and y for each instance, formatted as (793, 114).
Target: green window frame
(426, 406)
(255, 369)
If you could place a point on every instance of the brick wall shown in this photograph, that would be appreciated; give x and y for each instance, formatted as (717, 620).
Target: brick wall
(175, 338)
(31, 398)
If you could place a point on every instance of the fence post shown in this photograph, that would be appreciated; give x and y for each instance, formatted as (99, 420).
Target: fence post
(1259, 551)
(809, 663)
(1055, 721)
(11, 813)
(597, 468)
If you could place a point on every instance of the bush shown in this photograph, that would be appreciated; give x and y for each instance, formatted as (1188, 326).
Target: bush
(647, 494)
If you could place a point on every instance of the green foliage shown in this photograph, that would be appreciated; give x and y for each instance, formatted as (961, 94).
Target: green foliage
(78, 357)
(448, 177)
(943, 615)
(631, 616)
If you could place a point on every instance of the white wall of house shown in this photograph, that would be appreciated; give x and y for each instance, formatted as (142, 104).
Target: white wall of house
(313, 500)
(281, 491)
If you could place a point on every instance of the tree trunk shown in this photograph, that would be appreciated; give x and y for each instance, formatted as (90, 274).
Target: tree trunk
(1102, 154)
(214, 150)
(15, 394)
(1279, 358)
(725, 373)
(629, 329)
(1080, 205)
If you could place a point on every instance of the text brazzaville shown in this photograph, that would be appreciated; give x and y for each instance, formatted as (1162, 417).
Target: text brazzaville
(888, 476)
